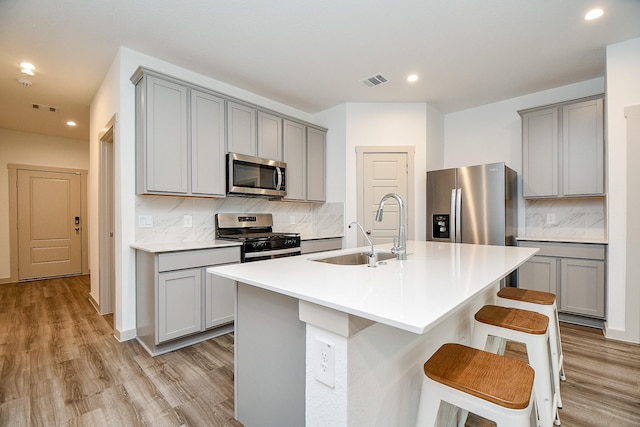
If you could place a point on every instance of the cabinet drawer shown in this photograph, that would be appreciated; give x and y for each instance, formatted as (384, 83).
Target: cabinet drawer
(197, 258)
(311, 246)
(567, 250)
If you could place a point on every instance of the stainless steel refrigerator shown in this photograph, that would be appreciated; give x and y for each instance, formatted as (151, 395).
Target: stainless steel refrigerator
(474, 204)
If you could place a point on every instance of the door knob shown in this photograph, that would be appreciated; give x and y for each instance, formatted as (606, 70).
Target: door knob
(368, 231)
(77, 228)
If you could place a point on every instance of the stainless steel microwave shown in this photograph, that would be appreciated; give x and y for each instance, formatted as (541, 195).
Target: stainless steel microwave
(254, 176)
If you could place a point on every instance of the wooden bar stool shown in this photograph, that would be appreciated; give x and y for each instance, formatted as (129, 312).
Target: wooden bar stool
(543, 303)
(495, 387)
(531, 329)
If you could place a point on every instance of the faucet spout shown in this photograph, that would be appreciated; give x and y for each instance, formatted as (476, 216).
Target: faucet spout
(399, 248)
(373, 257)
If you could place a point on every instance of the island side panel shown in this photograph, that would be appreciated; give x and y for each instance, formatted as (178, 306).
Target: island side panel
(269, 360)
(379, 372)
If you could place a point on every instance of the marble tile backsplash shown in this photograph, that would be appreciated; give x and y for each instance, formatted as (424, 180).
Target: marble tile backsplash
(168, 217)
(581, 218)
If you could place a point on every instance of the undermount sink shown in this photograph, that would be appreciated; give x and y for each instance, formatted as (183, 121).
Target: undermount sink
(357, 258)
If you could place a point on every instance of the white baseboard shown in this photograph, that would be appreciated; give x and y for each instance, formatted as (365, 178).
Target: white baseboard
(125, 335)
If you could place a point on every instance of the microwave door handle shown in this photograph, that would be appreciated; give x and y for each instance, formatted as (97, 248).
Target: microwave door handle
(276, 178)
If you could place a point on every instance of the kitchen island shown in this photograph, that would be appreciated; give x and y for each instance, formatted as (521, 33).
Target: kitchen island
(320, 344)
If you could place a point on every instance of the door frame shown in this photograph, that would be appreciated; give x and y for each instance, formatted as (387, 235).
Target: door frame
(106, 221)
(410, 151)
(13, 214)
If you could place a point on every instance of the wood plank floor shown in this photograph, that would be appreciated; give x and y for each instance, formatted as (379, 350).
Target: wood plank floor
(61, 366)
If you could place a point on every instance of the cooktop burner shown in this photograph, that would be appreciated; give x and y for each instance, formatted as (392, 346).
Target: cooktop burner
(255, 231)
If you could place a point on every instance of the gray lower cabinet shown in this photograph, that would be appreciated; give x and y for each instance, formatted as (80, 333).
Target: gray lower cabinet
(177, 302)
(304, 151)
(575, 272)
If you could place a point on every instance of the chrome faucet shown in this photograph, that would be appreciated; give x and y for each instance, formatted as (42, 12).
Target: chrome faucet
(373, 258)
(399, 247)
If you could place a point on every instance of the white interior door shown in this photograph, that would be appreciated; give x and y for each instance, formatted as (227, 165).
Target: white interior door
(382, 173)
(49, 224)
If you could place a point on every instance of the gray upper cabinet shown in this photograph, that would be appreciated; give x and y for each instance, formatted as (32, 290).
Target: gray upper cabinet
(184, 131)
(316, 164)
(583, 148)
(295, 152)
(563, 150)
(241, 129)
(269, 136)
(207, 144)
(179, 138)
(162, 137)
(305, 155)
(540, 153)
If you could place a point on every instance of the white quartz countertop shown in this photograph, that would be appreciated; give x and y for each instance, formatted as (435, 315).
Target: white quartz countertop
(183, 246)
(413, 295)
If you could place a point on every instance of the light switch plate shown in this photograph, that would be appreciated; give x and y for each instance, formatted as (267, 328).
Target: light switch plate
(188, 221)
(145, 221)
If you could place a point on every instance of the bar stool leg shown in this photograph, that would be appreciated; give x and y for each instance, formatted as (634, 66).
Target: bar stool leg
(538, 351)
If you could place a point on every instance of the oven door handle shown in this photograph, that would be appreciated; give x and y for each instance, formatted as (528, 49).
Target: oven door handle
(270, 253)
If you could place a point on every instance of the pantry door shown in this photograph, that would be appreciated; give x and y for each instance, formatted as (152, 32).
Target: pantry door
(383, 170)
(49, 224)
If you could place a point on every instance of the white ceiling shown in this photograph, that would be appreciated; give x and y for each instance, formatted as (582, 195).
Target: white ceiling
(309, 54)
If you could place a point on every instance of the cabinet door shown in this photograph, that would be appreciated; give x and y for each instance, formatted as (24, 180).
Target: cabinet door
(166, 150)
(540, 153)
(269, 136)
(179, 304)
(220, 300)
(316, 153)
(582, 287)
(583, 148)
(207, 144)
(295, 156)
(241, 129)
(539, 274)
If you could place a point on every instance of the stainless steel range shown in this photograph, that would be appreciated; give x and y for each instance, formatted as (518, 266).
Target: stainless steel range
(255, 231)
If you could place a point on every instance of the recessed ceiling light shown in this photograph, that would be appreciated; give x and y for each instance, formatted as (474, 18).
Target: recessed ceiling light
(71, 123)
(27, 65)
(593, 14)
(28, 72)
(412, 78)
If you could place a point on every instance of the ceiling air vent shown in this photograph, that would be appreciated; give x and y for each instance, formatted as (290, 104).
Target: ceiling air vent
(372, 81)
(44, 107)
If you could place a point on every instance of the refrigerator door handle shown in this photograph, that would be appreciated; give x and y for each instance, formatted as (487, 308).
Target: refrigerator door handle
(452, 222)
(457, 216)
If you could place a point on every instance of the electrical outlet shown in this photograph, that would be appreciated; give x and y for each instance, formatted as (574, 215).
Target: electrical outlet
(325, 369)
(188, 221)
(292, 219)
(145, 221)
(551, 219)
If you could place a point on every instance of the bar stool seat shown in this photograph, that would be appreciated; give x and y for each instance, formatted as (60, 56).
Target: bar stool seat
(530, 328)
(495, 387)
(544, 303)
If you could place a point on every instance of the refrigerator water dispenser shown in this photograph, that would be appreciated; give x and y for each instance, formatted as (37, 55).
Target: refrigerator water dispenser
(441, 226)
